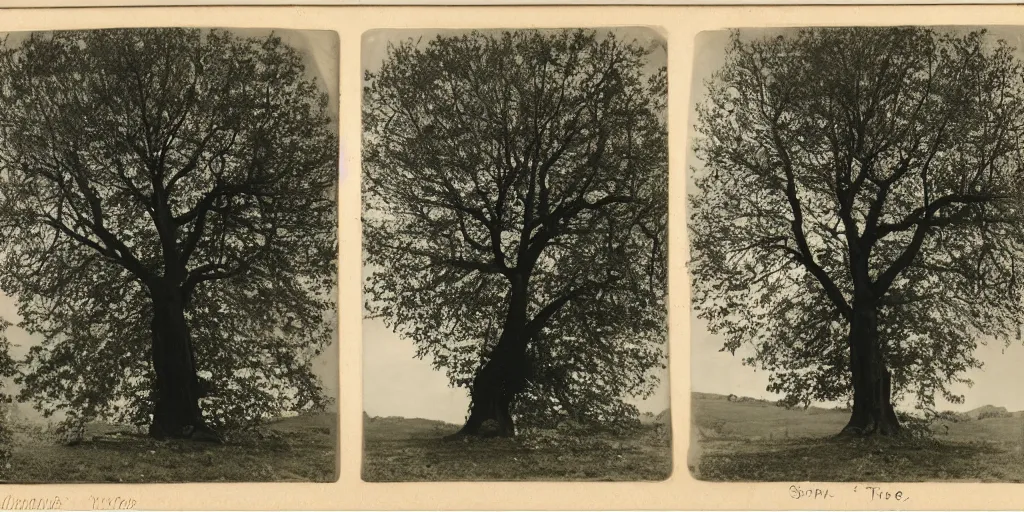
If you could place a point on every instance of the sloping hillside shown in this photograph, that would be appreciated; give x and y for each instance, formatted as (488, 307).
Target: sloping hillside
(391, 427)
(718, 416)
(662, 418)
(987, 411)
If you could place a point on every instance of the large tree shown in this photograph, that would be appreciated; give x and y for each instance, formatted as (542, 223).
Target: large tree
(516, 200)
(857, 218)
(167, 208)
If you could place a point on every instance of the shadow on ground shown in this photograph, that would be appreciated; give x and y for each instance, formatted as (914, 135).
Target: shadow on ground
(856, 460)
(750, 440)
(293, 449)
(403, 449)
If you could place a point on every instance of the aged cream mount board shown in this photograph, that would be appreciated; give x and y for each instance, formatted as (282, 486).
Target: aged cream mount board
(679, 26)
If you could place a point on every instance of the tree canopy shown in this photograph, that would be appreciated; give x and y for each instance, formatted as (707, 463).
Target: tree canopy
(134, 161)
(873, 170)
(515, 187)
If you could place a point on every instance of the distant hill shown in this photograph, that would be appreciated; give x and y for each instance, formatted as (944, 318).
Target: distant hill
(662, 418)
(696, 395)
(707, 396)
(987, 411)
(414, 423)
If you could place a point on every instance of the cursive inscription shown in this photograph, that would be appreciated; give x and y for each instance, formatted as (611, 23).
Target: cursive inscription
(815, 493)
(11, 502)
(880, 494)
(112, 503)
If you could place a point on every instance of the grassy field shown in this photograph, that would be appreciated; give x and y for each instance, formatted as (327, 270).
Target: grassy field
(301, 448)
(402, 449)
(759, 441)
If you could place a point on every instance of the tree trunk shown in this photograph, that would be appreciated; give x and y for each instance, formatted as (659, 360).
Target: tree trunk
(176, 411)
(495, 387)
(872, 382)
(503, 376)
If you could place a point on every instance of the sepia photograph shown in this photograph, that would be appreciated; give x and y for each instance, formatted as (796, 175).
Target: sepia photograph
(168, 283)
(856, 223)
(515, 228)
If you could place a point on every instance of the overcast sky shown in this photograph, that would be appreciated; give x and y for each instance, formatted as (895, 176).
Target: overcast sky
(320, 51)
(997, 383)
(395, 383)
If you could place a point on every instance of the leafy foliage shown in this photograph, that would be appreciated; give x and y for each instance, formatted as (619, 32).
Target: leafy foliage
(887, 153)
(528, 153)
(130, 155)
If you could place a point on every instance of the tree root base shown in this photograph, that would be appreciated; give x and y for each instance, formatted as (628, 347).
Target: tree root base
(850, 431)
(201, 434)
(459, 436)
(464, 435)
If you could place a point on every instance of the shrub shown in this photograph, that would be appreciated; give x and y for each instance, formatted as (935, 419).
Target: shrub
(915, 426)
(70, 432)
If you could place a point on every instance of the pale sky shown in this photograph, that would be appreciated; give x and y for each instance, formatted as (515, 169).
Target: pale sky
(320, 51)
(996, 383)
(395, 383)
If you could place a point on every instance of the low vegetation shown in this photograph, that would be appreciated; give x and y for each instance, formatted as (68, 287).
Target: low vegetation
(403, 449)
(300, 448)
(753, 440)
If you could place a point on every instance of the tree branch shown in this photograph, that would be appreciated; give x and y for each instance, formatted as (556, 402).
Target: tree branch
(806, 257)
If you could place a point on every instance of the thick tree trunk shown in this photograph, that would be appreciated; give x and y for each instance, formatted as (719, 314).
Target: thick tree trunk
(503, 376)
(176, 411)
(495, 387)
(872, 382)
